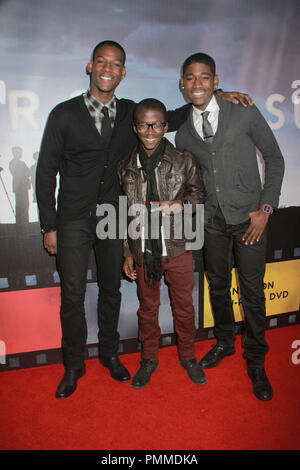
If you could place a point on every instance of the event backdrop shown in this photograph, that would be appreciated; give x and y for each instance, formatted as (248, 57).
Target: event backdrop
(45, 47)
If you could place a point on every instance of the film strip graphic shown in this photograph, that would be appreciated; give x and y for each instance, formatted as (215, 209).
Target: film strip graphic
(25, 265)
(128, 346)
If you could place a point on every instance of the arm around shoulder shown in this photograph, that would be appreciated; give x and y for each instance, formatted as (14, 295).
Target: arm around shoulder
(195, 190)
(177, 117)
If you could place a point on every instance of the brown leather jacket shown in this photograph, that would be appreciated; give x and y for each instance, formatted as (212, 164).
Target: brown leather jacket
(178, 177)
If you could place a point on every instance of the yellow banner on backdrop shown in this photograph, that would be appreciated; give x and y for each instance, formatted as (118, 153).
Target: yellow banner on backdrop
(281, 289)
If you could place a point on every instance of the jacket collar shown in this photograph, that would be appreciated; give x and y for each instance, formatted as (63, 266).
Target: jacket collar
(132, 161)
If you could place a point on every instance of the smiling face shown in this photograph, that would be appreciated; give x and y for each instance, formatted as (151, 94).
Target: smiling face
(199, 84)
(150, 136)
(106, 70)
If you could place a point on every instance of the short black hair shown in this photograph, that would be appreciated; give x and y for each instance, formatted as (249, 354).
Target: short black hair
(150, 103)
(201, 58)
(111, 44)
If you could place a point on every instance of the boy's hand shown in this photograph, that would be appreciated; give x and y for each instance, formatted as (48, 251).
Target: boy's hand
(167, 207)
(128, 268)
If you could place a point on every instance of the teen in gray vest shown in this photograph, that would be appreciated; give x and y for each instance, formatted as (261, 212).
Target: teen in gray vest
(224, 138)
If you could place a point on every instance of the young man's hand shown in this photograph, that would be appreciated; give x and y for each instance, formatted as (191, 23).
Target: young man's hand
(259, 220)
(50, 242)
(128, 268)
(167, 207)
(236, 97)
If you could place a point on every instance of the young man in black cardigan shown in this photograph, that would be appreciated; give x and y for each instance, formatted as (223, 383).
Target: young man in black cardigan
(84, 139)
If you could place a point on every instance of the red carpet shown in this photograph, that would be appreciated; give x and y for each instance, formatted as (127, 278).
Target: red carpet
(171, 413)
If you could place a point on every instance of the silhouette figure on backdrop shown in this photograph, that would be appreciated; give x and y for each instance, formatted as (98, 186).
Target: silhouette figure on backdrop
(21, 185)
(5, 191)
(32, 170)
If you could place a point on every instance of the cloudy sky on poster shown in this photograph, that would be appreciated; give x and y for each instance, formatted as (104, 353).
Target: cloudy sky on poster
(45, 47)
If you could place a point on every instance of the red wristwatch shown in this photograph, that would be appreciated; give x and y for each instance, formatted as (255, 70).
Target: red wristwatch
(266, 208)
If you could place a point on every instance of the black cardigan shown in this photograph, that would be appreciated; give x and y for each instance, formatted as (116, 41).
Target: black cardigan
(72, 147)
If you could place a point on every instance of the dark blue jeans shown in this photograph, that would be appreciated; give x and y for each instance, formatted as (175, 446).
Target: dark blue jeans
(221, 242)
(75, 240)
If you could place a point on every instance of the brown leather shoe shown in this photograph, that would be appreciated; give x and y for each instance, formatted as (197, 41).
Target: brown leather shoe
(143, 375)
(194, 370)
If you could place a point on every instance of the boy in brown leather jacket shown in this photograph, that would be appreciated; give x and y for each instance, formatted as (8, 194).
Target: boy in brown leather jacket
(161, 181)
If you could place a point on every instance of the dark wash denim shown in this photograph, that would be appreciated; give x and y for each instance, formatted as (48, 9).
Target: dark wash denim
(76, 239)
(221, 242)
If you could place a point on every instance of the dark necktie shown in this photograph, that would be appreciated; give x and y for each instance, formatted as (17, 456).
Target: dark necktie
(208, 134)
(106, 129)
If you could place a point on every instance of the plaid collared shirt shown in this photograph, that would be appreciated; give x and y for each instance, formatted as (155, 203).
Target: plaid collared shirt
(95, 107)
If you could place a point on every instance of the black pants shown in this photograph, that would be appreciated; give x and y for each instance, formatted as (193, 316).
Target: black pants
(75, 240)
(220, 243)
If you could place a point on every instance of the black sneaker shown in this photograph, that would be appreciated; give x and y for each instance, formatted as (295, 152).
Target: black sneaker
(195, 371)
(143, 375)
